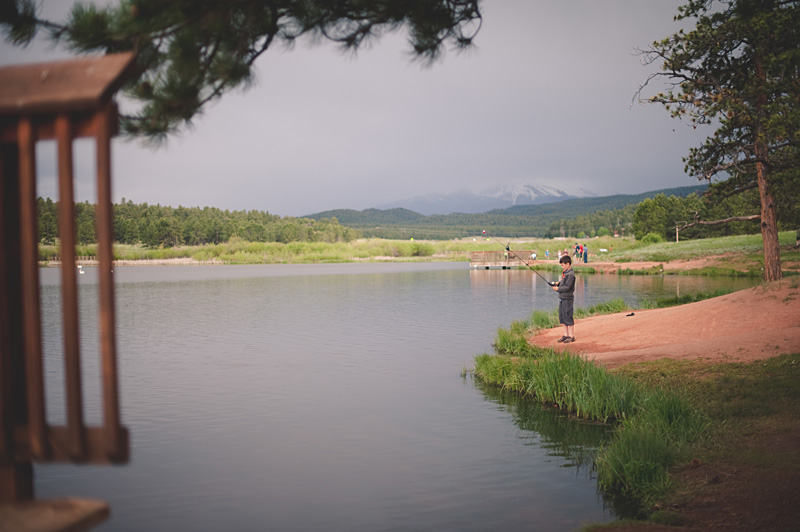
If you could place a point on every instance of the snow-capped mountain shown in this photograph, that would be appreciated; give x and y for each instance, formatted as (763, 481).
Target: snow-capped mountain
(499, 197)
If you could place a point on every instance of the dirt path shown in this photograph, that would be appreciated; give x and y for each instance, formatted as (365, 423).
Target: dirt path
(752, 324)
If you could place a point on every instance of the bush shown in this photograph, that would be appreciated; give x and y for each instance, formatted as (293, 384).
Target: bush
(652, 238)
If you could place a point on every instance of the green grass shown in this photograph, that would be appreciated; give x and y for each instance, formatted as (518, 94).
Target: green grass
(745, 250)
(674, 301)
(514, 340)
(562, 380)
(694, 249)
(655, 424)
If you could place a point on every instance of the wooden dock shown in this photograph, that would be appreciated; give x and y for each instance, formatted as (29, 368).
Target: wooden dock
(502, 260)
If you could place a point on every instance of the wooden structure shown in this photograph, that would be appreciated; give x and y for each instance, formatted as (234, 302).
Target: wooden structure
(504, 260)
(61, 101)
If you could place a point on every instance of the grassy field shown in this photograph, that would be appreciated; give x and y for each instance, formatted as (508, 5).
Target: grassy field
(751, 412)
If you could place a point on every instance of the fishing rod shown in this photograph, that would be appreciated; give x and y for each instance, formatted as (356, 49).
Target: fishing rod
(508, 248)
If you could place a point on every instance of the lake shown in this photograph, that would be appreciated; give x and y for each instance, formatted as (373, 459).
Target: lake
(329, 397)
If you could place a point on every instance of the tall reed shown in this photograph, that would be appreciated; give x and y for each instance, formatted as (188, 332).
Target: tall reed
(654, 427)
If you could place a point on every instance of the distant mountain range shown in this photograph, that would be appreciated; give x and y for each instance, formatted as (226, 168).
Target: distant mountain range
(499, 197)
(517, 220)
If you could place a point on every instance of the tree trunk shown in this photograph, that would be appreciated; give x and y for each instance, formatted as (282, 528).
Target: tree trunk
(769, 219)
(769, 226)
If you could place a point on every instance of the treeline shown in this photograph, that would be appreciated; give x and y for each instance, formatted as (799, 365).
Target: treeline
(660, 216)
(157, 225)
(601, 223)
(722, 201)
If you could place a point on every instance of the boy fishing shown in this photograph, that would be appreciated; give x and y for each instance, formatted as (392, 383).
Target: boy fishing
(566, 296)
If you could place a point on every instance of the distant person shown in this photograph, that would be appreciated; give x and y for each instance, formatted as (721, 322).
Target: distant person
(547, 251)
(585, 254)
(533, 255)
(566, 299)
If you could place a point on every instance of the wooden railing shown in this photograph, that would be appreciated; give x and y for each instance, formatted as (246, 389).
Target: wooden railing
(61, 102)
(500, 259)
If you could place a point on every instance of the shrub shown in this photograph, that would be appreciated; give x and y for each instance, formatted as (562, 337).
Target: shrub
(652, 238)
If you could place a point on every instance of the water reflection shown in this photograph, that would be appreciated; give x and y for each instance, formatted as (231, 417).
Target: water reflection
(562, 436)
(574, 442)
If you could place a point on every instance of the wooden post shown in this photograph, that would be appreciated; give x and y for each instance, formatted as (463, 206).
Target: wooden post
(69, 290)
(31, 325)
(16, 478)
(105, 252)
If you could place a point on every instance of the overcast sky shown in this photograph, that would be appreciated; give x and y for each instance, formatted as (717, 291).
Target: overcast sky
(545, 97)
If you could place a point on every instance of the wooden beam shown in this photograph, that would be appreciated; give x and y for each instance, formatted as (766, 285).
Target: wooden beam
(69, 288)
(58, 440)
(83, 126)
(74, 85)
(31, 312)
(16, 479)
(105, 254)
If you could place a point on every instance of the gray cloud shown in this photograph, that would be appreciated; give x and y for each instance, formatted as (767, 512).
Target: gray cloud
(545, 97)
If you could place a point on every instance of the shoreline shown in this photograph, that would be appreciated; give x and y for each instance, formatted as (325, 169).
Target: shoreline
(723, 487)
(712, 265)
(747, 325)
(181, 261)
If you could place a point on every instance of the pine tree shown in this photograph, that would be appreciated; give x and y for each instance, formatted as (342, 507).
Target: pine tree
(190, 52)
(739, 71)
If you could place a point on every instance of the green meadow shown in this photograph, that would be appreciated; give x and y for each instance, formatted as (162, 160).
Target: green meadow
(742, 252)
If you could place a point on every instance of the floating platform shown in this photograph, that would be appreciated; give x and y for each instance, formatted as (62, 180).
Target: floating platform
(501, 260)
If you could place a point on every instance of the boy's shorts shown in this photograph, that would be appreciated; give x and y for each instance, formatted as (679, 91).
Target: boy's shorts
(565, 312)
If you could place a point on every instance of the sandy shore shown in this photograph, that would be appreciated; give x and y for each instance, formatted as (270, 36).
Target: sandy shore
(752, 324)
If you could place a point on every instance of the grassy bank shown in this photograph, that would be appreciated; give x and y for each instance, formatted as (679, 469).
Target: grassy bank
(655, 426)
(682, 431)
(742, 254)
(237, 251)
(752, 412)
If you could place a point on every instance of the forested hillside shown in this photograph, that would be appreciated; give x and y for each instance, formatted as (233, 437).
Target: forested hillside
(655, 214)
(157, 225)
(568, 218)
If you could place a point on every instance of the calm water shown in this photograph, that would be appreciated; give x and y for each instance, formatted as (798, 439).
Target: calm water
(328, 397)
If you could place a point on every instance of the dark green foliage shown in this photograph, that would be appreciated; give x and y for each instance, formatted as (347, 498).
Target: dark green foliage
(190, 52)
(661, 214)
(652, 238)
(156, 225)
(48, 220)
(369, 217)
(738, 70)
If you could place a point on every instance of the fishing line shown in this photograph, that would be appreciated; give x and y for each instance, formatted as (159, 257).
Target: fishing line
(508, 248)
